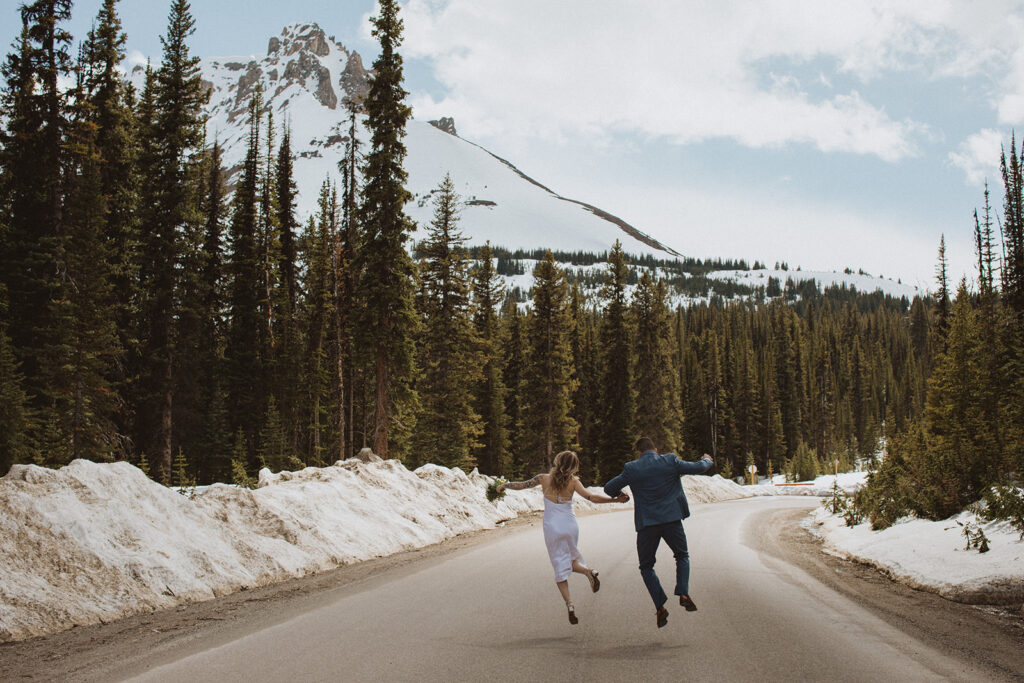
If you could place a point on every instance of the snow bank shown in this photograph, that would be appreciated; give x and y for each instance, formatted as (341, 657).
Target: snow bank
(821, 486)
(96, 542)
(932, 556)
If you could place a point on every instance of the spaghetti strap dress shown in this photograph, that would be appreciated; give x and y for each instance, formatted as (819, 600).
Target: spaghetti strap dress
(561, 534)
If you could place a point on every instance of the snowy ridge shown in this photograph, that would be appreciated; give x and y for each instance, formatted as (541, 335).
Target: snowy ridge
(92, 542)
(307, 78)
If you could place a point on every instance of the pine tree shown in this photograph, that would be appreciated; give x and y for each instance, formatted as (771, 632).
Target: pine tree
(174, 129)
(213, 461)
(32, 159)
(657, 393)
(386, 269)
(350, 365)
(15, 418)
(1012, 170)
(243, 362)
(317, 316)
(491, 391)
(548, 380)
(942, 304)
(287, 359)
(513, 372)
(449, 359)
(616, 393)
(85, 351)
(112, 102)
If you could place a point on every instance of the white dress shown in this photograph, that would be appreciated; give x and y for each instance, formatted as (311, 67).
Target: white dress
(561, 534)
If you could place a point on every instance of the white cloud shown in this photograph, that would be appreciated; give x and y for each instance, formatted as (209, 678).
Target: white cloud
(686, 72)
(978, 156)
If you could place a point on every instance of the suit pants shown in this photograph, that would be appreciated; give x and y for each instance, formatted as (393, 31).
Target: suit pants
(647, 541)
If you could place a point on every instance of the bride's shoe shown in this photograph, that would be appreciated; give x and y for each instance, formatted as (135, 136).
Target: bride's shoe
(595, 583)
(572, 614)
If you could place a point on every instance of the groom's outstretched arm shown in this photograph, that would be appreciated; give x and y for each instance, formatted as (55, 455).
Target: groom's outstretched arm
(699, 467)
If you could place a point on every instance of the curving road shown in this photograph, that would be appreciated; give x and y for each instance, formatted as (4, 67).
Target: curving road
(492, 612)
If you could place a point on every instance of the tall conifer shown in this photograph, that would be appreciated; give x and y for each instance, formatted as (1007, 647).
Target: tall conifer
(386, 268)
(548, 381)
(448, 355)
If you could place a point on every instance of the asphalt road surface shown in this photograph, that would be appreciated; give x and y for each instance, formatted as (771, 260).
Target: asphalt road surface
(492, 612)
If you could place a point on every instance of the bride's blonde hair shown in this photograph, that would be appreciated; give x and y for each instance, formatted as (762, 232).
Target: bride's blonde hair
(565, 466)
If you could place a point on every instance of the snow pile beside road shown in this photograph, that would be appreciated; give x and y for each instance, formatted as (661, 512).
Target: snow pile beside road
(716, 488)
(932, 556)
(849, 482)
(96, 542)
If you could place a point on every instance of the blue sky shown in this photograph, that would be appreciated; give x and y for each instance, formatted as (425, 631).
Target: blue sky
(825, 134)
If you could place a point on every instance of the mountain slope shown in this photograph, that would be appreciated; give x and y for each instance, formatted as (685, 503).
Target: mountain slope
(307, 78)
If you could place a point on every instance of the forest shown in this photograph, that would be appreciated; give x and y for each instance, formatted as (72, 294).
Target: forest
(152, 312)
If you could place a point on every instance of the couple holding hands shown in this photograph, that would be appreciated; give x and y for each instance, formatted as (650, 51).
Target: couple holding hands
(659, 510)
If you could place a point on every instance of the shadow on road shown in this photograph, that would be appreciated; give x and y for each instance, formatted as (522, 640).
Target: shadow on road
(572, 648)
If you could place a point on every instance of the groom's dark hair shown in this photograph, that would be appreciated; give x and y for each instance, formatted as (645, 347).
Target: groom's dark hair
(644, 444)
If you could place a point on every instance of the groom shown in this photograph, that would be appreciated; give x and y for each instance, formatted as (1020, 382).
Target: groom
(659, 508)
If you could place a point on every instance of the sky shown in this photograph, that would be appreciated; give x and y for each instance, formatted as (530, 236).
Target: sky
(847, 133)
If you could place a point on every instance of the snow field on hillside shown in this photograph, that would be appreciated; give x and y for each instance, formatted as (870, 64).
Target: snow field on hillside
(92, 542)
(863, 283)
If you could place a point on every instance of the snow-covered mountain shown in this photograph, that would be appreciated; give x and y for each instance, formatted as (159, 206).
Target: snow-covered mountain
(307, 77)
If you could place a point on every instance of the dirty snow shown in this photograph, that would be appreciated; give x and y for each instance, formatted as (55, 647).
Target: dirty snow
(96, 542)
(933, 556)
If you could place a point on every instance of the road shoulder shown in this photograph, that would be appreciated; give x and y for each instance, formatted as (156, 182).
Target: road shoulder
(992, 638)
(113, 650)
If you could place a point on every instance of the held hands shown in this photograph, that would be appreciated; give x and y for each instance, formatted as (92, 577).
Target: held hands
(621, 498)
(708, 458)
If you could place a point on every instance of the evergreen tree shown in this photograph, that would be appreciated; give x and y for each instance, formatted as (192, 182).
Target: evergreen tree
(657, 393)
(317, 315)
(349, 366)
(112, 102)
(287, 355)
(513, 372)
(548, 381)
(85, 351)
(174, 129)
(15, 418)
(491, 391)
(942, 304)
(449, 359)
(243, 362)
(615, 434)
(213, 461)
(1012, 170)
(31, 159)
(386, 268)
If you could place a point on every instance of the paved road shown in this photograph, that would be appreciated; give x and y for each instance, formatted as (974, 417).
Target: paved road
(493, 612)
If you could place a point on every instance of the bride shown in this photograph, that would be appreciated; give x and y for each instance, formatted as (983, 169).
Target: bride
(561, 532)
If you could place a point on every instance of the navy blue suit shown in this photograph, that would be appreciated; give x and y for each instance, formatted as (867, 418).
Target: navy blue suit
(659, 508)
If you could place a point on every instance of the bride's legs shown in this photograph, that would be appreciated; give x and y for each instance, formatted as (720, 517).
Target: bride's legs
(563, 588)
(581, 568)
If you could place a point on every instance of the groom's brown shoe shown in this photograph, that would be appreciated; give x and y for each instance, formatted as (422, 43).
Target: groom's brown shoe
(686, 602)
(662, 616)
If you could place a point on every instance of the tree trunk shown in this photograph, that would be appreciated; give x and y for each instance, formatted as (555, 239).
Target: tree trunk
(381, 413)
(165, 426)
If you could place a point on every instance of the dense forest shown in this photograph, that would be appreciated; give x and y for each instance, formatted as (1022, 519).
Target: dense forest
(148, 314)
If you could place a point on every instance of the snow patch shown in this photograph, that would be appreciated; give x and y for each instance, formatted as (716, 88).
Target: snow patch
(932, 556)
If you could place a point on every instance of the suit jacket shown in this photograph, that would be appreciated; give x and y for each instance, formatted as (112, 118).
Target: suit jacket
(658, 496)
